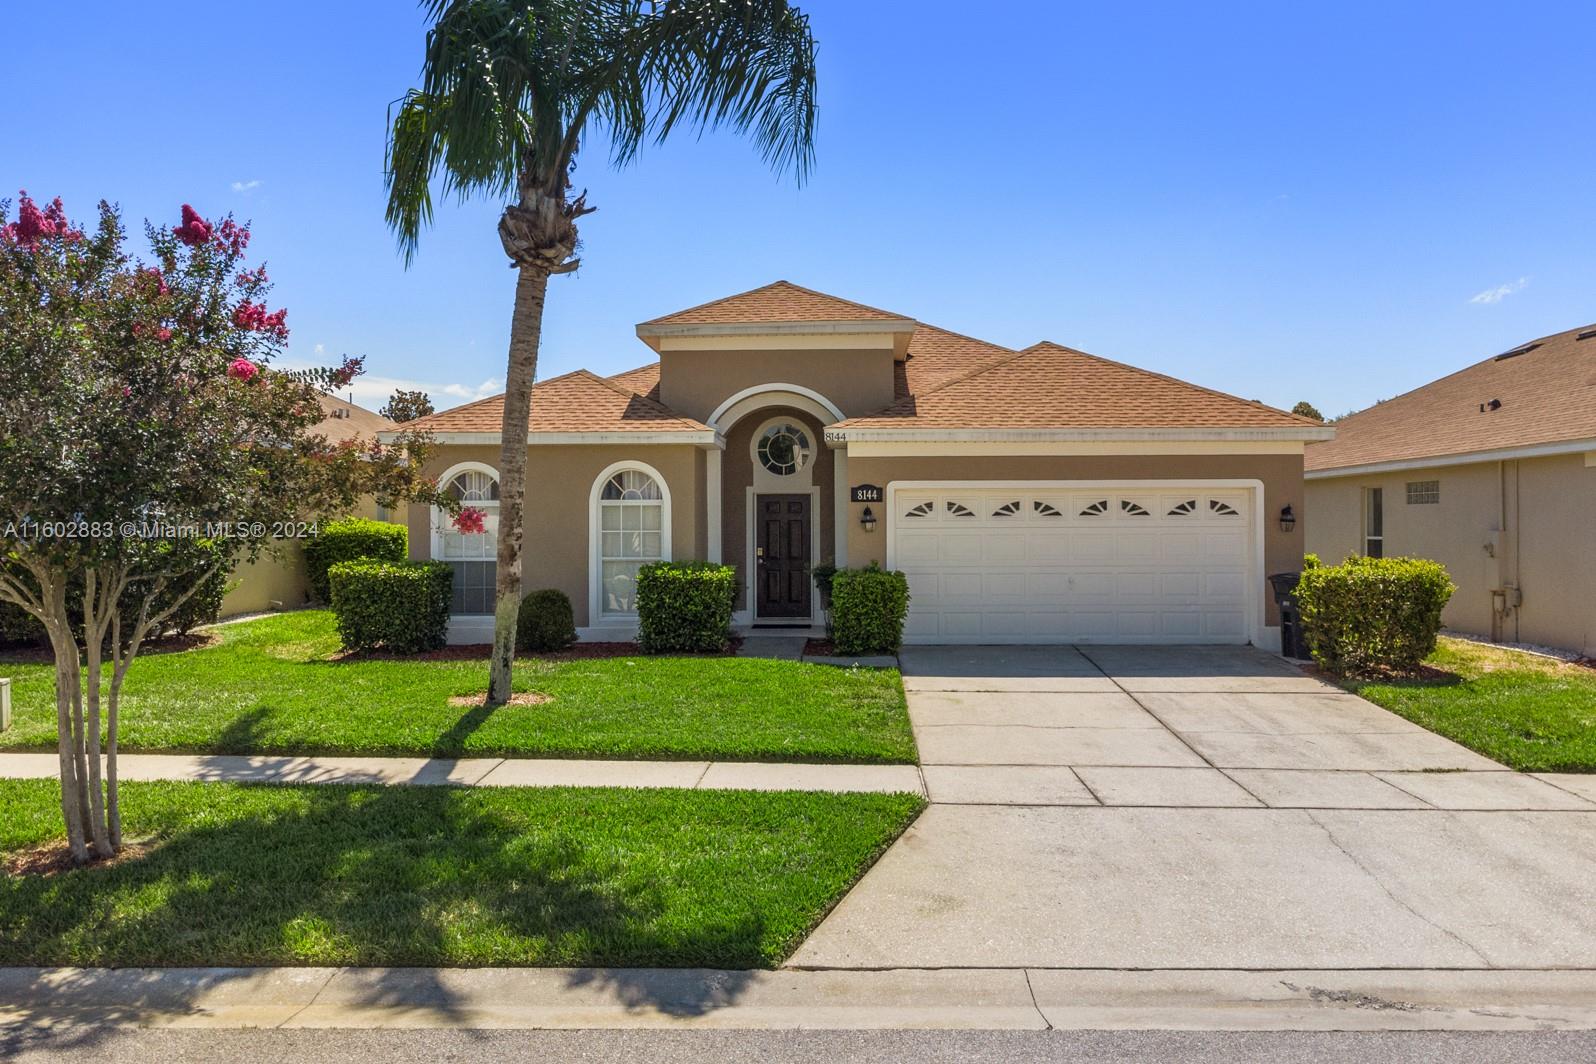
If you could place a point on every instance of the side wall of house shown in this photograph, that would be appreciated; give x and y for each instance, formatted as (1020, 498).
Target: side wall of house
(560, 478)
(1527, 523)
(1281, 475)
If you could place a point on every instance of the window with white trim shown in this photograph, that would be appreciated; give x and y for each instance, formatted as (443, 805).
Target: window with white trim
(472, 555)
(631, 520)
(1374, 522)
(1423, 492)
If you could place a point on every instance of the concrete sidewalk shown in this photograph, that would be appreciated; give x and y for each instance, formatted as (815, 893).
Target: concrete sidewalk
(949, 999)
(493, 772)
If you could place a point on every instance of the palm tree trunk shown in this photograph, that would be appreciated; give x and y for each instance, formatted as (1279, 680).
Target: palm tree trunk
(526, 333)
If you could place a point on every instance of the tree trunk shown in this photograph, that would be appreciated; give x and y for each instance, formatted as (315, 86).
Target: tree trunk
(95, 593)
(526, 331)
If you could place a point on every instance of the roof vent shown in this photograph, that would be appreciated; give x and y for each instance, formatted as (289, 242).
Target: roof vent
(1586, 335)
(1494, 404)
(1521, 349)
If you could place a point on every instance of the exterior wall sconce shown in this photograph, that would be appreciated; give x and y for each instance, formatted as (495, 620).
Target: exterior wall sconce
(1288, 520)
(868, 519)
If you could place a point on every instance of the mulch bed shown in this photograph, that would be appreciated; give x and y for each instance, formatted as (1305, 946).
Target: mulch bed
(33, 654)
(819, 648)
(483, 651)
(1423, 674)
(53, 858)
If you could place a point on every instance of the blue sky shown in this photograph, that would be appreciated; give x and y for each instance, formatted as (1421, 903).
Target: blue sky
(1285, 201)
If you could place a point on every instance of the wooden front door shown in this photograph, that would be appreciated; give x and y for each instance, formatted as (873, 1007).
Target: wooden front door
(781, 557)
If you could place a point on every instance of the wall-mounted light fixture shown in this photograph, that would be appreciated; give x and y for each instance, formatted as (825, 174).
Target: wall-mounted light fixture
(1288, 520)
(868, 519)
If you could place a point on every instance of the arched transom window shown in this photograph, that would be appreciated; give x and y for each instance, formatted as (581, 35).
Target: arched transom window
(472, 555)
(632, 532)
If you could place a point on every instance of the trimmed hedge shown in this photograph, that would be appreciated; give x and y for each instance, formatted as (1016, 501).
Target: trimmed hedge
(399, 606)
(684, 607)
(345, 540)
(868, 607)
(546, 622)
(1373, 615)
(18, 627)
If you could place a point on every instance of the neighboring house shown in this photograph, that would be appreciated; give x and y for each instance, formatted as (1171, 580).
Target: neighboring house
(1490, 471)
(1042, 495)
(276, 580)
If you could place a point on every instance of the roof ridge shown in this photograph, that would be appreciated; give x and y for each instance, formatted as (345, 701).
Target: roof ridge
(629, 393)
(782, 283)
(1170, 379)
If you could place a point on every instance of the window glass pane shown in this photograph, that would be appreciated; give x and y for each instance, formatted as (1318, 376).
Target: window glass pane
(650, 545)
(610, 517)
(651, 517)
(612, 545)
(618, 586)
(631, 518)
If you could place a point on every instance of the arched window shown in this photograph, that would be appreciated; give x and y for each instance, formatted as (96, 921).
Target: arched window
(632, 521)
(472, 555)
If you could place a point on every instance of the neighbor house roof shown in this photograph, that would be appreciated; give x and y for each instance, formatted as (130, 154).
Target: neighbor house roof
(579, 401)
(1544, 393)
(781, 302)
(1048, 386)
(346, 421)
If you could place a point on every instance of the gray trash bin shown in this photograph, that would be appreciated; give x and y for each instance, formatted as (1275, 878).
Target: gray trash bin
(1292, 643)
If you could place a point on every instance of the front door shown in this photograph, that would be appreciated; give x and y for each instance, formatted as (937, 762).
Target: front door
(781, 557)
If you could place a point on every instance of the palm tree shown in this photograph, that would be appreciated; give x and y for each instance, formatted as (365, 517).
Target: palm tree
(509, 90)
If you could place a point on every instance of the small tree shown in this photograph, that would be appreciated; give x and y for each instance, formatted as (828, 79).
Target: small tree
(1307, 409)
(146, 445)
(404, 405)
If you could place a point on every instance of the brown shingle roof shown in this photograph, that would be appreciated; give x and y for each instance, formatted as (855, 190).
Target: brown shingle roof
(937, 356)
(346, 421)
(774, 303)
(1548, 395)
(1048, 386)
(644, 380)
(579, 401)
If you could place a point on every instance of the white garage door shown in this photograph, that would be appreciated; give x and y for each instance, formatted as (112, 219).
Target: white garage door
(1121, 564)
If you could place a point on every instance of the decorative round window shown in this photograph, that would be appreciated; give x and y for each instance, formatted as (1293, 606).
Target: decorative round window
(784, 448)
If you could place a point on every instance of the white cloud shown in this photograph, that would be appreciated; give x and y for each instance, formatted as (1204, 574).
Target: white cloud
(372, 391)
(1500, 292)
(247, 186)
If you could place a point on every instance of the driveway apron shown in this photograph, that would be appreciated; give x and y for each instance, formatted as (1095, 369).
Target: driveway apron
(1207, 807)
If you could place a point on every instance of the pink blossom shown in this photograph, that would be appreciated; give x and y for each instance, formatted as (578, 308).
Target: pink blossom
(154, 274)
(471, 521)
(195, 230)
(253, 317)
(163, 334)
(348, 371)
(242, 369)
(232, 237)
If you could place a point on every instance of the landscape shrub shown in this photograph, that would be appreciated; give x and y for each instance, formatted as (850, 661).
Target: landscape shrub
(400, 606)
(546, 622)
(1373, 615)
(18, 627)
(868, 607)
(345, 540)
(684, 607)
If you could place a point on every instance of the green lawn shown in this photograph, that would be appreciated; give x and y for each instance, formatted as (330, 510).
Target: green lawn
(1528, 712)
(333, 875)
(271, 687)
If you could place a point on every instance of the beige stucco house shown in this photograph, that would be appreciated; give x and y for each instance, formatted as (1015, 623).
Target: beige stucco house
(276, 579)
(1040, 495)
(1490, 471)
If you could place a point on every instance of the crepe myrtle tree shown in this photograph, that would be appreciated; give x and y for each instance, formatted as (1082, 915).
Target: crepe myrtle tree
(509, 91)
(146, 442)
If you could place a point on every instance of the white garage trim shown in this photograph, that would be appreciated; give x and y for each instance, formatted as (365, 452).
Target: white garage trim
(1253, 618)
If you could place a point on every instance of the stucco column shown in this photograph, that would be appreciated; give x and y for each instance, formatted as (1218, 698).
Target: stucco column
(840, 509)
(712, 493)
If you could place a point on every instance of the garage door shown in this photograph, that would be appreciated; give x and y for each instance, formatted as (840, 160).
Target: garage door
(1089, 565)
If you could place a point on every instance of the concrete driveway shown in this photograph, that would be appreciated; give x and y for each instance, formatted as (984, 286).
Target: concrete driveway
(1205, 807)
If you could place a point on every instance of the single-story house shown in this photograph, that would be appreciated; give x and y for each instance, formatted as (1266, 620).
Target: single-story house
(1490, 471)
(276, 579)
(1036, 495)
